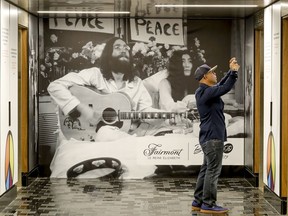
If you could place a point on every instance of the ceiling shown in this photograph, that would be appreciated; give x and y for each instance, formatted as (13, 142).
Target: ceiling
(144, 8)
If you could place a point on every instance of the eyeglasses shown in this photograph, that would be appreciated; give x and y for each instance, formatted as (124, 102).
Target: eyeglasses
(120, 47)
(213, 72)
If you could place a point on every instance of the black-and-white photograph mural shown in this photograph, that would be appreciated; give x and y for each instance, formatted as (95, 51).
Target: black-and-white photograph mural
(122, 103)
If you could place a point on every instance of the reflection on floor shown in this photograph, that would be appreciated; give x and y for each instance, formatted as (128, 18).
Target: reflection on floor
(149, 197)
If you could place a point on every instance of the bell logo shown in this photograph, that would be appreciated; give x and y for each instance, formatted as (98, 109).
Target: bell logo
(228, 148)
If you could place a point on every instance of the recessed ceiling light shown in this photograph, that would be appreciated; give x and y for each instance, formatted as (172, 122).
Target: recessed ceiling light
(213, 6)
(75, 2)
(84, 12)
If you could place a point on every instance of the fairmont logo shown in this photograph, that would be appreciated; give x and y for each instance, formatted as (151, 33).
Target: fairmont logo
(156, 150)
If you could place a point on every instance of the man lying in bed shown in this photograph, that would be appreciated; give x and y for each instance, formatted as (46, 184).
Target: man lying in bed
(115, 75)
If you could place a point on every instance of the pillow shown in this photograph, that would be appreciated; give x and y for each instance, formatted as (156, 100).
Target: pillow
(152, 83)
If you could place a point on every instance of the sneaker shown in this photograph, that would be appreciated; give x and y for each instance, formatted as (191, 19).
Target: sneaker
(196, 206)
(213, 209)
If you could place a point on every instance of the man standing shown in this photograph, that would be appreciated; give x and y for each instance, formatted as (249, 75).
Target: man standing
(212, 133)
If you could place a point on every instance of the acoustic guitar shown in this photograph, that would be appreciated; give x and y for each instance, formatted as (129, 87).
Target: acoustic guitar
(115, 109)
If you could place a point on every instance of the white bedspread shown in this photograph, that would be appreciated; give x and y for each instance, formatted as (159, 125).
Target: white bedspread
(71, 152)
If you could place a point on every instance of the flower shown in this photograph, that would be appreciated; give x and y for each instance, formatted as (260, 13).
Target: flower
(198, 53)
(63, 57)
(149, 58)
(57, 56)
(89, 52)
(56, 61)
(54, 38)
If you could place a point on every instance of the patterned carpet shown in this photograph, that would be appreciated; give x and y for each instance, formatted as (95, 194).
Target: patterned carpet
(148, 197)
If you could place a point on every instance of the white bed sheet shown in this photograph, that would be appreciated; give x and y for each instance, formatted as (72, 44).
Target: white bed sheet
(71, 152)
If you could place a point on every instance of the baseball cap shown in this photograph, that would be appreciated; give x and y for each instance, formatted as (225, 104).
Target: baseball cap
(203, 69)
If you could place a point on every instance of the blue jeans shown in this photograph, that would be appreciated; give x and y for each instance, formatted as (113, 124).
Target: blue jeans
(206, 186)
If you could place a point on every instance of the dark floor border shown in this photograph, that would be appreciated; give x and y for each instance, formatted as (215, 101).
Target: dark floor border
(232, 171)
(252, 178)
(279, 203)
(180, 171)
(29, 177)
(8, 197)
(228, 171)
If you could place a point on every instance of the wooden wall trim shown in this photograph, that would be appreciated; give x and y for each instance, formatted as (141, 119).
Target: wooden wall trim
(24, 100)
(257, 102)
(284, 112)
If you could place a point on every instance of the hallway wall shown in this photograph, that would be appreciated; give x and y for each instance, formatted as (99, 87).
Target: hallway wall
(8, 97)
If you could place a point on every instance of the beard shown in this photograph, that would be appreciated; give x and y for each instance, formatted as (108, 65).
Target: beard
(120, 64)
